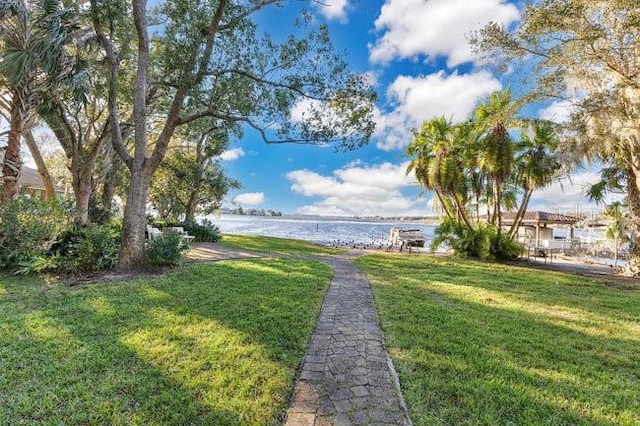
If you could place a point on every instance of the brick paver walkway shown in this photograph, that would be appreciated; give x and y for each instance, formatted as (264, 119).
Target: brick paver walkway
(347, 377)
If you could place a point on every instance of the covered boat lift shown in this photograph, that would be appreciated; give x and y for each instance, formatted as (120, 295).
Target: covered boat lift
(536, 226)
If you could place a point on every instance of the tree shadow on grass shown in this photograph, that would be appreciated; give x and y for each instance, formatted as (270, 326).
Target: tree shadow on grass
(472, 360)
(212, 344)
(528, 285)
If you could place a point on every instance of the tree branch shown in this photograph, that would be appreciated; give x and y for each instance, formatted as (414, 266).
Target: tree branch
(112, 59)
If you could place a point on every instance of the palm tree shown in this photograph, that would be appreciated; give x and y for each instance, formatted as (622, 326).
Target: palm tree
(438, 164)
(535, 163)
(618, 229)
(493, 118)
(32, 42)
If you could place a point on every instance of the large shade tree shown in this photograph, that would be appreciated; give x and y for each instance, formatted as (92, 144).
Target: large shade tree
(209, 60)
(587, 52)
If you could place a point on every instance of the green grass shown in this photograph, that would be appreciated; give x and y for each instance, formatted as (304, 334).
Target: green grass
(478, 343)
(274, 245)
(210, 344)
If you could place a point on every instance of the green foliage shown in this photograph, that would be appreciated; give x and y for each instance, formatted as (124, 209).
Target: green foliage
(28, 227)
(87, 248)
(186, 176)
(482, 241)
(205, 232)
(478, 163)
(588, 51)
(38, 263)
(166, 249)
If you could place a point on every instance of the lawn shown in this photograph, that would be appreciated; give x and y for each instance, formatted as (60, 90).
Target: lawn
(478, 343)
(210, 344)
(275, 245)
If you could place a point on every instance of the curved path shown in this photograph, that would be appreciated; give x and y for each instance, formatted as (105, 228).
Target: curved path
(346, 377)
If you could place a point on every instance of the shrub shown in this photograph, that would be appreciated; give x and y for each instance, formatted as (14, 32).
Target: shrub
(88, 248)
(482, 242)
(28, 227)
(165, 250)
(205, 232)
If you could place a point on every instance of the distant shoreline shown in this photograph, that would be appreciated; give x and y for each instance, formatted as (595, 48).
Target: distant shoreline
(426, 220)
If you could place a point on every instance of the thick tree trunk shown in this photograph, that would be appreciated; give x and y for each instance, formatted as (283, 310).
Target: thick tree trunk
(108, 191)
(12, 161)
(633, 199)
(49, 187)
(132, 254)
(83, 190)
(109, 182)
(190, 208)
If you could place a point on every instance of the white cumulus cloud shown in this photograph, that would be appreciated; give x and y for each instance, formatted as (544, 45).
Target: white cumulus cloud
(249, 198)
(232, 154)
(333, 9)
(416, 99)
(359, 190)
(433, 28)
(568, 195)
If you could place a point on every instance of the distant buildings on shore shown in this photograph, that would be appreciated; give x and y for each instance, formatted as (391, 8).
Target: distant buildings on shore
(240, 211)
(249, 212)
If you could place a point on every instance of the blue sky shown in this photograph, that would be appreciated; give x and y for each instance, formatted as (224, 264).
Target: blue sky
(418, 53)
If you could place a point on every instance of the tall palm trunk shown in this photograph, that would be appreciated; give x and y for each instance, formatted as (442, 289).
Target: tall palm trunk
(12, 159)
(495, 214)
(47, 180)
(462, 212)
(513, 231)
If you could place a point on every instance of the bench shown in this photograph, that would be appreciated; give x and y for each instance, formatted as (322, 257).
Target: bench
(180, 231)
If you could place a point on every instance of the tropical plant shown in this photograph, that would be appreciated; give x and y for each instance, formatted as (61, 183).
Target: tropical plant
(493, 117)
(478, 162)
(482, 241)
(87, 248)
(584, 52)
(535, 163)
(437, 161)
(28, 228)
(205, 232)
(619, 229)
(33, 60)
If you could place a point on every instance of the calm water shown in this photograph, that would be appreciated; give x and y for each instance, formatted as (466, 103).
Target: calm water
(321, 231)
